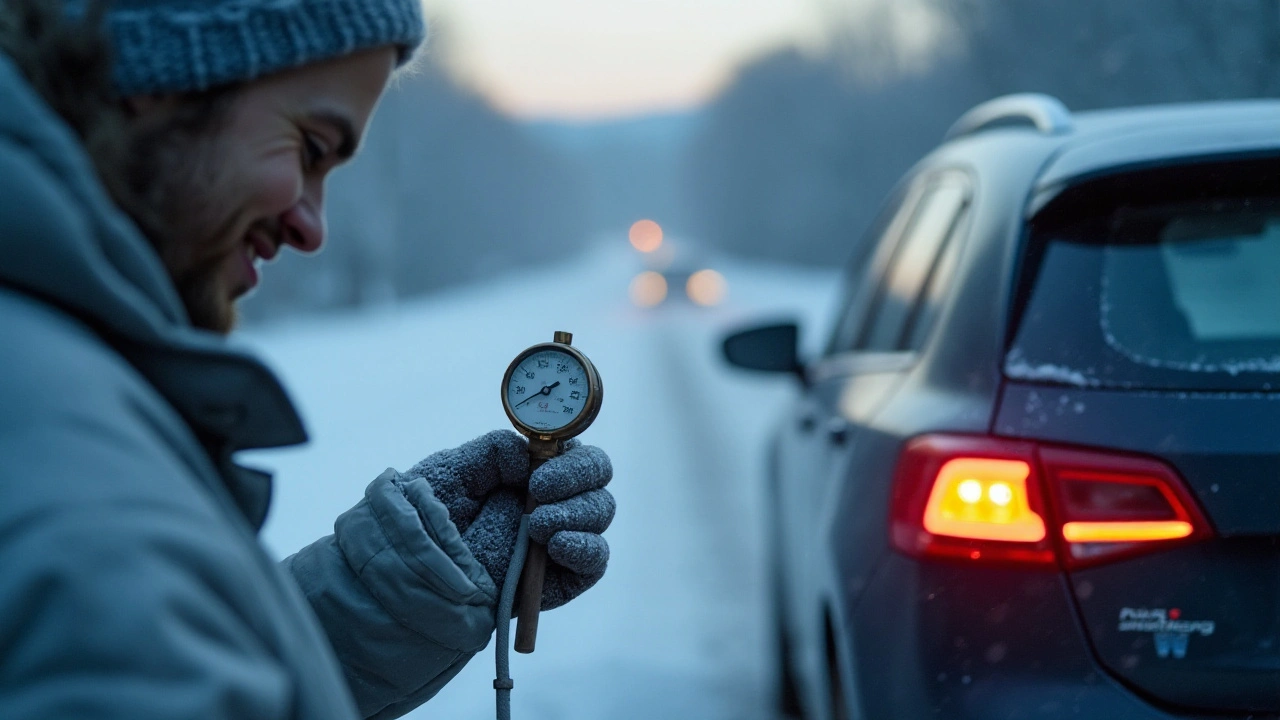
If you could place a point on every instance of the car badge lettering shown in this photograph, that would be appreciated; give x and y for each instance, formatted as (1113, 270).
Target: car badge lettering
(1170, 633)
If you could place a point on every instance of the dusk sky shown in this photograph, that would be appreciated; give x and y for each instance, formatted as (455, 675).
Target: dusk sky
(602, 58)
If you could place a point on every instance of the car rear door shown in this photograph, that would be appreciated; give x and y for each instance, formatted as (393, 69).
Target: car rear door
(811, 432)
(886, 312)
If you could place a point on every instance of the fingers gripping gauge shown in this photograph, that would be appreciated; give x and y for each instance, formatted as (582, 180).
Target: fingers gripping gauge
(551, 392)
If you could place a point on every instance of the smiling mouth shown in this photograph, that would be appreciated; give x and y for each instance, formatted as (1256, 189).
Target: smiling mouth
(261, 246)
(258, 247)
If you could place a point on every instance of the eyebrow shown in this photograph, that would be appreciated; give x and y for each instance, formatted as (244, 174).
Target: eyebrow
(348, 143)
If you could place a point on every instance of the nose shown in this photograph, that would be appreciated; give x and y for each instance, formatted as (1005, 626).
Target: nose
(303, 226)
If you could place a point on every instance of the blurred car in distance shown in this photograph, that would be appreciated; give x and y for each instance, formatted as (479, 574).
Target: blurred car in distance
(673, 270)
(1035, 471)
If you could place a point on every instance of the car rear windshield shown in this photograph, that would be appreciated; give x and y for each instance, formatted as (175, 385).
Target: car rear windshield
(1164, 279)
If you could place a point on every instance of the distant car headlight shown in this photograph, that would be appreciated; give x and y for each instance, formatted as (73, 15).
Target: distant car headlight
(707, 288)
(645, 236)
(648, 289)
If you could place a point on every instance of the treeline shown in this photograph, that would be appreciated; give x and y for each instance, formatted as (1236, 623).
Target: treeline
(797, 154)
(446, 190)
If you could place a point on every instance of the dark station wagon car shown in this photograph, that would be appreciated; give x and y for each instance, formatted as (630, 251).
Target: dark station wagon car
(1036, 471)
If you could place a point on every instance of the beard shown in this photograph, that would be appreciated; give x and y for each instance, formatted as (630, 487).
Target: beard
(179, 200)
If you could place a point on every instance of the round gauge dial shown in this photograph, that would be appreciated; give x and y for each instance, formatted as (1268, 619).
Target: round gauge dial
(549, 389)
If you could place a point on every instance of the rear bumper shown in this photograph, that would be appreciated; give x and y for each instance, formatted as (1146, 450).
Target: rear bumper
(940, 640)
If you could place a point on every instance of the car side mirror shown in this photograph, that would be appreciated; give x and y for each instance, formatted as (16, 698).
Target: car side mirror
(767, 348)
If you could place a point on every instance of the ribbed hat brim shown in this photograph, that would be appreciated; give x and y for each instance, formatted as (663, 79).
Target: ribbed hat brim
(178, 46)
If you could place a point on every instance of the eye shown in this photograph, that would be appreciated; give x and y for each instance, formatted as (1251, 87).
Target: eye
(314, 151)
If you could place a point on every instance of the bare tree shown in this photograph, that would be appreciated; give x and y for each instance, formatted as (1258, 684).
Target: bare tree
(1101, 53)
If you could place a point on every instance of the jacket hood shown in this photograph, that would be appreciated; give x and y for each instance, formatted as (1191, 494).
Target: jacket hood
(66, 243)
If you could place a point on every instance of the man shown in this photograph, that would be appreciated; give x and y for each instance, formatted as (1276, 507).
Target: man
(149, 158)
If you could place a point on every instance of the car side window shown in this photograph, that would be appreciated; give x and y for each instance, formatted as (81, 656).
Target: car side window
(861, 275)
(929, 305)
(895, 308)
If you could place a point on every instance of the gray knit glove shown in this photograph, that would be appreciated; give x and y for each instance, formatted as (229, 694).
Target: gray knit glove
(482, 484)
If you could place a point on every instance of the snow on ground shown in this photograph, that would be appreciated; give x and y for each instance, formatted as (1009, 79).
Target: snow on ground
(676, 627)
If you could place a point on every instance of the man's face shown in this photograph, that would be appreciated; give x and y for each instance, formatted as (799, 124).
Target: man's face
(236, 194)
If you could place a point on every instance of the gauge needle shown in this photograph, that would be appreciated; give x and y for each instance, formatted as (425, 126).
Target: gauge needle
(544, 391)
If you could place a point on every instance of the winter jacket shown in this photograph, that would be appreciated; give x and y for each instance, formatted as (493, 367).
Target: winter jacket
(132, 582)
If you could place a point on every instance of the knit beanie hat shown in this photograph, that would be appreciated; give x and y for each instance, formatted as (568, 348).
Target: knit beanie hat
(164, 46)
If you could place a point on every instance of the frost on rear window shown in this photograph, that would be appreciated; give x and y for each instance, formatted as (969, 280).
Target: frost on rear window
(1172, 297)
(1018, 367)
(1205, 305)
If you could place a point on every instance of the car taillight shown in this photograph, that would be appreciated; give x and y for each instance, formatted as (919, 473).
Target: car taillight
(992, 499)
(949, 500)
(1112, 505)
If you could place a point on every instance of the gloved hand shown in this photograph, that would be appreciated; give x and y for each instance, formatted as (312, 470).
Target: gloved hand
(481, 483)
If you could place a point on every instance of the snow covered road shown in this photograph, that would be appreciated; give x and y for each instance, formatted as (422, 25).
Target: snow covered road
(675, 629)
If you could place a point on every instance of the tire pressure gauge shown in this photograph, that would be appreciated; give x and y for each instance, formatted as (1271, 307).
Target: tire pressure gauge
(551, 393)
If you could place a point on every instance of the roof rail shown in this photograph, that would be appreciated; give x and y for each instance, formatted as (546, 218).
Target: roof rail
(1045, 112)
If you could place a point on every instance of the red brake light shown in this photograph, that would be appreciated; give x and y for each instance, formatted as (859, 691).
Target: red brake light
(993, 499)
(1113, 505)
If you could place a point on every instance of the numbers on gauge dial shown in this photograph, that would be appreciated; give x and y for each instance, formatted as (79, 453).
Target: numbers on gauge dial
(548, 390)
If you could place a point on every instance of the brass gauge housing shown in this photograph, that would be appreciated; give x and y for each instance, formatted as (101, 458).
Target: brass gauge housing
(551, 391)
